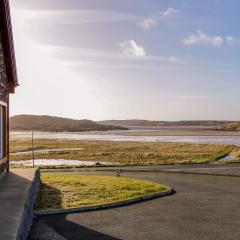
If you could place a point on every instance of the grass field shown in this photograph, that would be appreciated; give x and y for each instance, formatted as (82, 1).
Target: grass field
(236, 152)
(123, 153)
(72, 191)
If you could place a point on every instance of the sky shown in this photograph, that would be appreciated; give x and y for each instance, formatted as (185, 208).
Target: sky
(127, 59)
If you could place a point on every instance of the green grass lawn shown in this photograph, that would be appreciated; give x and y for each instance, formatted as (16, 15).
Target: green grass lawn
(72, 191)
(124, 153)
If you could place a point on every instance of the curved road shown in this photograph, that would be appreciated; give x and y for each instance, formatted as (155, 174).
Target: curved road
(204, 207)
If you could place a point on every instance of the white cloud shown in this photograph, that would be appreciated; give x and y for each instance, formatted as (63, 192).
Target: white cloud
(231, 41)
(203, 38)
(151, 22)
(168, 12)
(148, 23)
(75, 54)
(72, 17)
(131, 48)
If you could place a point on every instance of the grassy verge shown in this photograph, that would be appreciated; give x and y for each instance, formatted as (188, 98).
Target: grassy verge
(124, 153)
(73, 191)
(235, 155)
(236, 152)
(232, 161)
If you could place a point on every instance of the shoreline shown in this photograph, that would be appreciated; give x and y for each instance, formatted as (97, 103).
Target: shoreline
(136, 132)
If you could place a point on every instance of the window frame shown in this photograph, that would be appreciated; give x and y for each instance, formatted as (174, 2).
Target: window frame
(3, 131)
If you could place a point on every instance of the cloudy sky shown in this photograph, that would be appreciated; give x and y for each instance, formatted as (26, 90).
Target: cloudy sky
(124, 59)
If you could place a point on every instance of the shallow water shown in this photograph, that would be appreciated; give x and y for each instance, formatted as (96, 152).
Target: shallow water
(58, 162)
(47, 151)
(226, 158)
(110, 136)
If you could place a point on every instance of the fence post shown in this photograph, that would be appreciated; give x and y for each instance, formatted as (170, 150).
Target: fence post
(33, 155)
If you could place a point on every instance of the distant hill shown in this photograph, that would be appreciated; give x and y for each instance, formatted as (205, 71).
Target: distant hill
(230, 127)
(147, 123)
(56, 124)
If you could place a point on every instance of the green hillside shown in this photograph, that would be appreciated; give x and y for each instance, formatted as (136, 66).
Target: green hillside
(56, 124)
(147, 123)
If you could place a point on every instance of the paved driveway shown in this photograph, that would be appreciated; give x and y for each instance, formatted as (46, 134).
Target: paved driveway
(204, 207)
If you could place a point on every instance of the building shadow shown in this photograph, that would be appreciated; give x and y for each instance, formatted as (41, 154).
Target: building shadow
(48, 197)
(61, 228)
(55, 227)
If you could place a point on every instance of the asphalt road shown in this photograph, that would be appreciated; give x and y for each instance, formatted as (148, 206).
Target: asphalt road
(204, 207)
(159, 168)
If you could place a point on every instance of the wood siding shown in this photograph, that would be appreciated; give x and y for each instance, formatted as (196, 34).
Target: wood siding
(3, 75)
(3, 101)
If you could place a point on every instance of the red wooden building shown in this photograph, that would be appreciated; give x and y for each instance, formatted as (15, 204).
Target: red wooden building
(8, 81)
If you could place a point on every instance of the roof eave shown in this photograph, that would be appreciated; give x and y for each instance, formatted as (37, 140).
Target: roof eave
(8, 44)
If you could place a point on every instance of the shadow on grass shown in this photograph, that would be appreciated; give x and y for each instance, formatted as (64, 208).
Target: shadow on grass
(43, 229)
(48, 198)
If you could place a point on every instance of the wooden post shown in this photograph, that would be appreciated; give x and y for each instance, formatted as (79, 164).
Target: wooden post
(33, 155)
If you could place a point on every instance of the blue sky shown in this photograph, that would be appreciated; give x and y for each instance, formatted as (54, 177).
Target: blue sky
(148, 59)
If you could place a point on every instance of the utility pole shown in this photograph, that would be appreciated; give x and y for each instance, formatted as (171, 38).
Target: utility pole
(33, 155)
